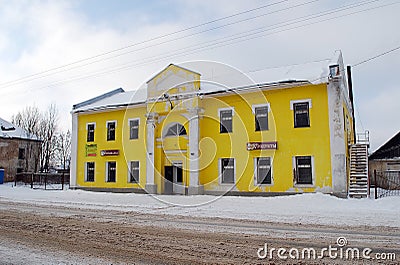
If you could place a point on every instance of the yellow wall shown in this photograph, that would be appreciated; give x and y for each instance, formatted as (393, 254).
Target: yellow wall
(129, 151)
(313, 141)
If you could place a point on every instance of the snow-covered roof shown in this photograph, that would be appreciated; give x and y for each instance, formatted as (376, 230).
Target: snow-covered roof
(315, 72)
(9, 130)
(113, 99)
(390, 149)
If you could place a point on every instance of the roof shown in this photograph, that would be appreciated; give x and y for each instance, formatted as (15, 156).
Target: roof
(10, 131)
(315, 72)
(113, 99)
(390, 149)
(98, 98)
(171, 64)
(123, 98)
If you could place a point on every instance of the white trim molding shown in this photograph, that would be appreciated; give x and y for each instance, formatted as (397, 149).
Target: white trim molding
(312, 185)
(90, 123)
(292, 102)
(220, 171)
(253, 107)
(129, 127)
(255, 172)
(227, 108)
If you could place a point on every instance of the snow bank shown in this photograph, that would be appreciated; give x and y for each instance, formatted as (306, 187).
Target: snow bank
(305, 208)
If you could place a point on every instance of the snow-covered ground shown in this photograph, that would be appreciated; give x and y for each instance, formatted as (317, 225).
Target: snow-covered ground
(306, 208)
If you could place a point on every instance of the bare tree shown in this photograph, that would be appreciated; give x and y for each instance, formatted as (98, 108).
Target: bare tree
(43, 125)
(63, 148)
(29, 120)
(47, 129)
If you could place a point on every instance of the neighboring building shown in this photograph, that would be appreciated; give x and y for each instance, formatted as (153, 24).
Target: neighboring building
(386, 157)
(181, 136)
(19, 151)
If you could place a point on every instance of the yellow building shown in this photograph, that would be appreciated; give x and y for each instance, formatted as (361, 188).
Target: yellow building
(179, 137)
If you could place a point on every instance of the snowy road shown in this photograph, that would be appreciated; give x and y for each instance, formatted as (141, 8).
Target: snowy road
(33, 233)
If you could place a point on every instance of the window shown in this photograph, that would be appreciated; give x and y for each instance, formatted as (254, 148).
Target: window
(21, 153)
(90, 132)
(176, 130)
(225, 117)
(228, 170)
(111, 130)
(263, 170)
(89, 172)
(261, 118)
(111, 171)
(301, 114)
(303, 171)
(134, 172)
(134, 129)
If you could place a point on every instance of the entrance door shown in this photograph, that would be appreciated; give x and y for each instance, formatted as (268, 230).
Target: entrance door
(178, 187)
(173, 183)
(169, 179)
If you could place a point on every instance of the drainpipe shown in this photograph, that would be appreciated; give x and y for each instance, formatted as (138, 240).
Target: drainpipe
(350, 85)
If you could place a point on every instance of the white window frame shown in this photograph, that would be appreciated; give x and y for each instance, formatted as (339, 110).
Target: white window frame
(312, 172)
(107, 172)
(255, 172)
(86, 173)
(130, 170)
(129, 125)
(219, 117)
(292, 102)
(115, 133)
(220, 171)
(253, 108)
(87, 130)
(90, 123)
(308, 100)
(166, 129)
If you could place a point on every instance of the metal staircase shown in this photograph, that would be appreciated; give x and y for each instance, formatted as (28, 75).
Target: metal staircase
(358, 181)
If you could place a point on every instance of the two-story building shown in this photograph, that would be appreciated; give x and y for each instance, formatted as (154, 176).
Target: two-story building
(182, 136)
(19, 150)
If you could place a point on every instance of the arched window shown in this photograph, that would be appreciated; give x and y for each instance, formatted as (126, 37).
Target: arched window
(176, 129)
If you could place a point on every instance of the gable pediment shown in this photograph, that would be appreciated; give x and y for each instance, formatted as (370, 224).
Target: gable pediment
(173, 79)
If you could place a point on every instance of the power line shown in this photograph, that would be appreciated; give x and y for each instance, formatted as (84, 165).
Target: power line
(219, 43)
(376, 56)
(146, 41)
(272, 67)
(50, 72)
(209, 46)
(235, 38)
(366, 61)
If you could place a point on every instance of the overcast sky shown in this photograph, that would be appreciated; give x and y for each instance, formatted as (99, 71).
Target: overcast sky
(43, 45)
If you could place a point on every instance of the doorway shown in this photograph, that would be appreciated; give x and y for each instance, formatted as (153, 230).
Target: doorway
(173, 179)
